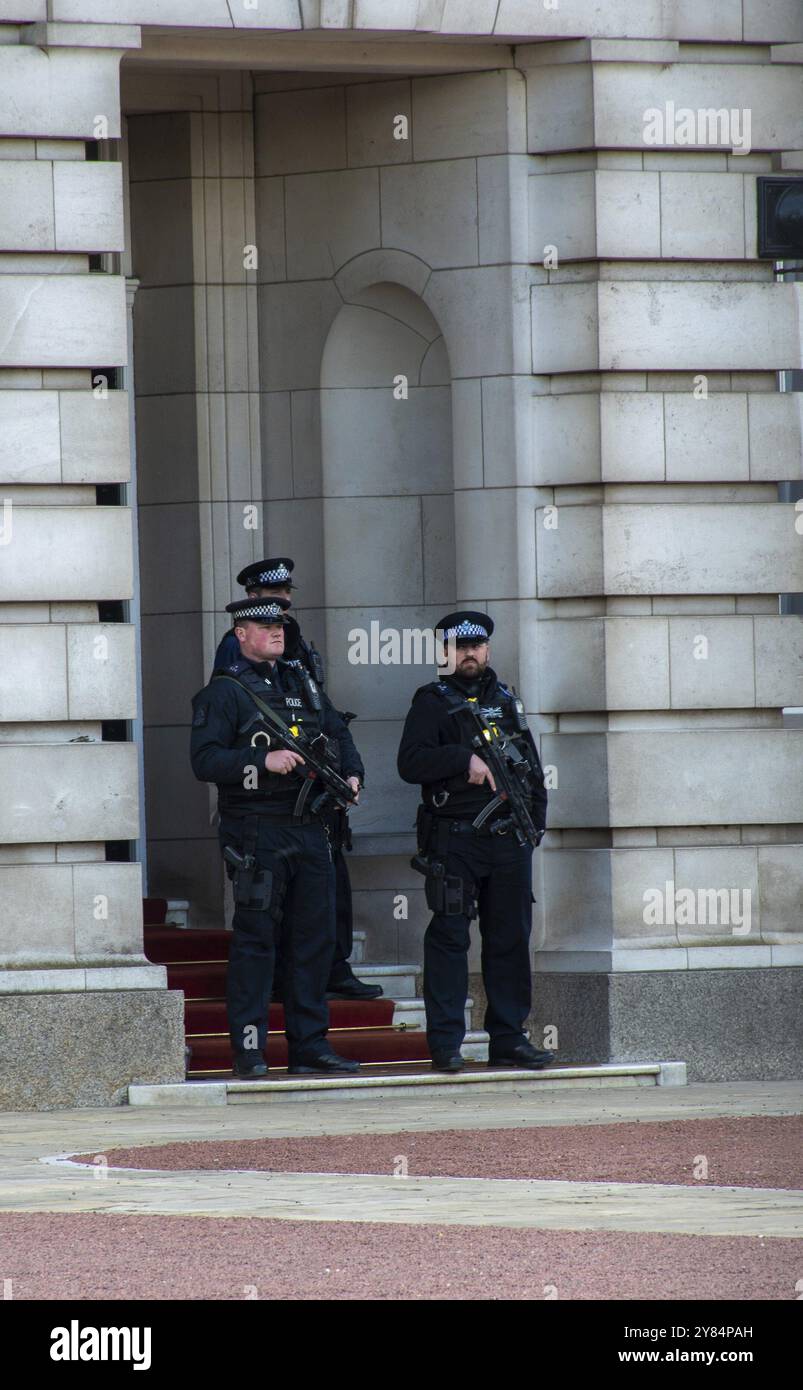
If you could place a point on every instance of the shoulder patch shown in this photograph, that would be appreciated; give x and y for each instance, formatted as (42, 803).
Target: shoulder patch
(200, 717)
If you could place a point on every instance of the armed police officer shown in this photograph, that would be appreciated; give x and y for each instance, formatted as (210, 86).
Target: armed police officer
(273, 578)
(279, 754)
(467, 743)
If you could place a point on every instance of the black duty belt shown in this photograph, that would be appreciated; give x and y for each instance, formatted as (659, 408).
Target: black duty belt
(466, 827)
(271, 817)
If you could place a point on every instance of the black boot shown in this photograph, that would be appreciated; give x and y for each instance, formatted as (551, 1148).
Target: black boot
(518, 1054)
(349, 987)
(248, 1065)
(447, 1061)
(325, 1063)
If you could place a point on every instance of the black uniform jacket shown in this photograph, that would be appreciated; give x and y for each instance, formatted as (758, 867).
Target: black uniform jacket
(225, 719)
(436, 747)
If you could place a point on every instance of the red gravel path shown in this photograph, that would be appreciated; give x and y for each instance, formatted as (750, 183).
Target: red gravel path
(756, 1151)
(54, 1255)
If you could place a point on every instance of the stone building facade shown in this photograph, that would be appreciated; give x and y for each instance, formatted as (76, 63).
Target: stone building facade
(442, 298)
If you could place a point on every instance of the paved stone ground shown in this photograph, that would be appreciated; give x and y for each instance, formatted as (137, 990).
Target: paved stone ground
(297, 1234)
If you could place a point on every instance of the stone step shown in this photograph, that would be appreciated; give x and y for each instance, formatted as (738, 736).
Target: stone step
(358, 948)
(412, 1013)
(364, 1086)
(397, 981)
(475, 1046)
(177, 913)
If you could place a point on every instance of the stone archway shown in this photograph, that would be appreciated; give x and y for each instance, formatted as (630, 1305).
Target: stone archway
(388, 517)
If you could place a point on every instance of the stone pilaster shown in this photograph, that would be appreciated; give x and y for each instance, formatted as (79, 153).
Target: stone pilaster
(662, 665)
(74, 983)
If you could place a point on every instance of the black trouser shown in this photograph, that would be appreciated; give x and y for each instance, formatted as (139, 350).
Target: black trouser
(344, 930)
(497, 874)
(344, 922)
(300, 855)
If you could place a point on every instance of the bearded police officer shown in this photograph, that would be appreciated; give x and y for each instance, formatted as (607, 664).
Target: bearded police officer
(273, 834)
(273, 578)
(484, 804)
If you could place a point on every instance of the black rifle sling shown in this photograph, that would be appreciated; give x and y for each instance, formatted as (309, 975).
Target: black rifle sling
(265, 710)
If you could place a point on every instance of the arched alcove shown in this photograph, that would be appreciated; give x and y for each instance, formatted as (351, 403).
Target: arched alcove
(388, 520)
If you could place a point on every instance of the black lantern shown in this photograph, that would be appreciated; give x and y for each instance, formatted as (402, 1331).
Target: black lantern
(780, 218)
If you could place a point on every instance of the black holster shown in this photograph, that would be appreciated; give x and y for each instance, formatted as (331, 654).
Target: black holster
(443, 892)
(256, 887)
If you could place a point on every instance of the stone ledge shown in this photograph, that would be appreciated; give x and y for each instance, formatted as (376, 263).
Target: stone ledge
(95, 979)
(50, 35)
(215, 1093)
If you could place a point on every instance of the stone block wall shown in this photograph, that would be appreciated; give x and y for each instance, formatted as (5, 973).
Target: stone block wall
(662, 664)
(71, 957)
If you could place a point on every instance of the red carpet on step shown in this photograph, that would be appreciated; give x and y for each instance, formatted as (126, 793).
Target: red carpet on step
(196, 962)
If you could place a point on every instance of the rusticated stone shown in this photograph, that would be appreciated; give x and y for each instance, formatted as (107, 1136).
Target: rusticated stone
(87, 1048)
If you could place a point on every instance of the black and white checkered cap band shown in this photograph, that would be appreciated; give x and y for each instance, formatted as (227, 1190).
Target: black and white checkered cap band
(259, 612)
(276, 576)
(466, 629)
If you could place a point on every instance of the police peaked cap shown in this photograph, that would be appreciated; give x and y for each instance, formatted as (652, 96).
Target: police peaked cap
(465, 626)
(259, 610)
(263, 573)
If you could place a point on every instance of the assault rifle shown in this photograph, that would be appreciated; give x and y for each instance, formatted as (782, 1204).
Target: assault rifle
(511, 773)
(314, 751)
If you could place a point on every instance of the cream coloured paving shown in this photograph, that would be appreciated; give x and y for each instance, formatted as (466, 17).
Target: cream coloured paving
(77, 1131)
(442, 1201)
(27, 1183)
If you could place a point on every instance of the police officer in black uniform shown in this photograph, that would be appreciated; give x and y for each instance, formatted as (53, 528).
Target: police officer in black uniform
(483, 871)
(280, 861)
(272, 578)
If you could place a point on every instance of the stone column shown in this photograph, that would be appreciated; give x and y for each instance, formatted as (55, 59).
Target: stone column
(661, 661)
(200, 496)
(82, 1013)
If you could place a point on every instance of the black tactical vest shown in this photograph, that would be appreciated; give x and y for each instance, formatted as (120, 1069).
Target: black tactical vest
(500, 707)
(295, 698)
